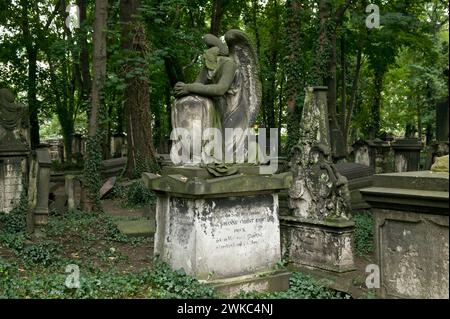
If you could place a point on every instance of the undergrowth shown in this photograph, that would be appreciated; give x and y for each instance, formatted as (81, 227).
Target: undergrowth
(363, 233)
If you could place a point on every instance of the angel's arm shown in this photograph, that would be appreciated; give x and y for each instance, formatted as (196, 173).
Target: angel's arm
(219, 89)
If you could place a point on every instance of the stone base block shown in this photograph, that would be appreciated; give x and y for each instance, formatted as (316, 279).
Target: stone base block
(218, 237)
(411, 233)
(219, 228)
(261, 282)
(319, 244)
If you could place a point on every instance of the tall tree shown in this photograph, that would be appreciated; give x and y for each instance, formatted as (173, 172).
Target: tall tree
(141, 153)
(92, 178)
(32, 35)
(294, 69)
(330, 20)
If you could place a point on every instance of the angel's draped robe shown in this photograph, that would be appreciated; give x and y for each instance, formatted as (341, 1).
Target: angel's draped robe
(227, 111)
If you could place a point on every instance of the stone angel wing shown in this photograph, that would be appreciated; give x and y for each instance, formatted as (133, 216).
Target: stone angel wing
(244, 54)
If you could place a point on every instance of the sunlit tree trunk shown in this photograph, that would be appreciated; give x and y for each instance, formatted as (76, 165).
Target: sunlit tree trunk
(141, 153)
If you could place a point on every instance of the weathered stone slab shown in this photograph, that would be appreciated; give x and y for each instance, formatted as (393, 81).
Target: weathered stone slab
(13, 172)
(43, 186)
(273, 281)
(107, 186)
(136, 228)
(411, 233)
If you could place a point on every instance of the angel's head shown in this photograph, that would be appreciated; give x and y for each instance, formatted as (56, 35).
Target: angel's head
(210, 58)
(216, 48)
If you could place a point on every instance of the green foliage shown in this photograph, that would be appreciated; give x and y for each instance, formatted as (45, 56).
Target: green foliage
(57, 166)
(87, 227)
(44, 274)
(4, 268)
(175, 284)
(134, 195)
(16, 220)
(145, 165)
(44, 253)
(139, 194)
(363, 233)
(92, 169)
(301, 286)
(13, 226)
(14, 241)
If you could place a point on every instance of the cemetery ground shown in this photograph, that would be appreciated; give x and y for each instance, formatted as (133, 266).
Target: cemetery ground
(114, 265)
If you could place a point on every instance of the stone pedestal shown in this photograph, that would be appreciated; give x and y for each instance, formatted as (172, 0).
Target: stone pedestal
(407, 154)
(411, 213)
(69, 188)
(318, 244)
(13, 174)
(222, 230)
(43, 185)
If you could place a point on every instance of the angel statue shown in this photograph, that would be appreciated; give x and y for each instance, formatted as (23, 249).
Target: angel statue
(226, 93)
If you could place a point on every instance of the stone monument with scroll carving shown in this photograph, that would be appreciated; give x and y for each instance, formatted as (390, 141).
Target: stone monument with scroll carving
(318, 233)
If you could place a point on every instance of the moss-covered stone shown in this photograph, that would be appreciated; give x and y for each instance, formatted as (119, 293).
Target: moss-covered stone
(440, 165)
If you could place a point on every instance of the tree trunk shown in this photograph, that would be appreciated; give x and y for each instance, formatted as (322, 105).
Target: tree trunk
(216, 17)
(254, 26)
(32, 100)
(92, 177)
(32, 52)
(272, 58)
(141, 154)
(374, 128)
(99, 63)
(351, 104)
(326, 63)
